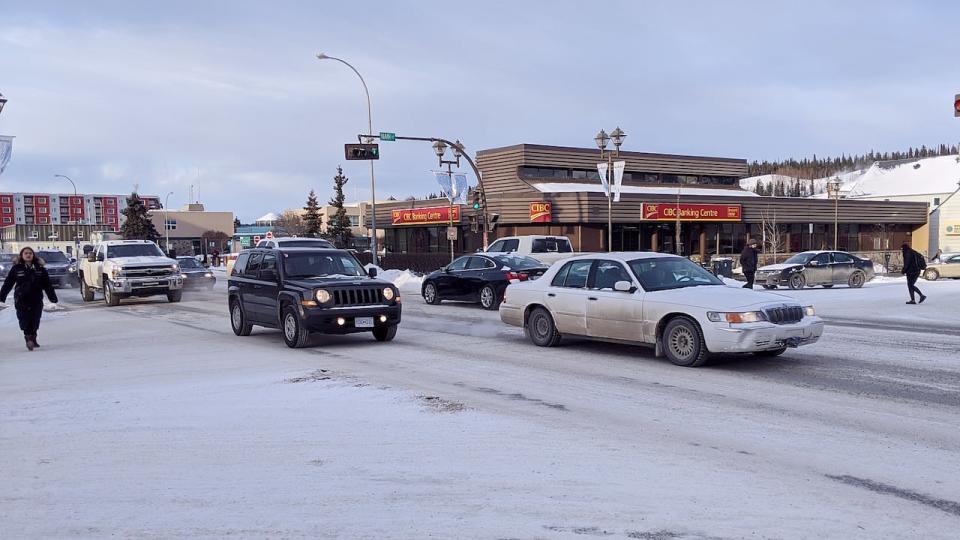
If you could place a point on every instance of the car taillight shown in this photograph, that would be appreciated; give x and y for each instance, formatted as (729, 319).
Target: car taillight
(519, 276)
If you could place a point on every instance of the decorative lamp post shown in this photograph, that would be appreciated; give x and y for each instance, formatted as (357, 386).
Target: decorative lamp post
(440, 148)
(76, 234)
(602, 139)
(833, 191)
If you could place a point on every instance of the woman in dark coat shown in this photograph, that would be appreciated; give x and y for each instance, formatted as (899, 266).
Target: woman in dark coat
(31, 280)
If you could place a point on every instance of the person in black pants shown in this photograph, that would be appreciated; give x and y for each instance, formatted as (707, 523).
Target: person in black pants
(748, 262)
(31, 280)
(913, 264)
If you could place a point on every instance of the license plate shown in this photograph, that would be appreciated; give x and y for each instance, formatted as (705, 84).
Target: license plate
(363, 322)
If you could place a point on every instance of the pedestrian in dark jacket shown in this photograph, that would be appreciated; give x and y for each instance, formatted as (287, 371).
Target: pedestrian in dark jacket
(748, 262)
(31, 280)
(913, 264)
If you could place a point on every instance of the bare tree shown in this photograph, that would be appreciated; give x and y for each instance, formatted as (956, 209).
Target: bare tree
(773, 234)
(291, 222)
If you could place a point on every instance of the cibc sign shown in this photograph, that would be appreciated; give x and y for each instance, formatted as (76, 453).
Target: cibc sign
(691, 212)
(541, 212)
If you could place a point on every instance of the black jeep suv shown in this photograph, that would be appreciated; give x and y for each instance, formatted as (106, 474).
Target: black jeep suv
(304, 290)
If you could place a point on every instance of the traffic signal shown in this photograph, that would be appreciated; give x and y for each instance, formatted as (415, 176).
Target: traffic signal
(361, 151)
(476, 200)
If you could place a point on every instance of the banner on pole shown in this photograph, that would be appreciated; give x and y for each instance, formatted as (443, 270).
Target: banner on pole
(602, 169)
(618, 167)
(6, 150)
(459, 186)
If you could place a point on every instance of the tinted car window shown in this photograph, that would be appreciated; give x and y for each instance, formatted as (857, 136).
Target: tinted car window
(52, 256)
(510, 246)
(496, 246)
(307, 243)
(842, 258)
(518, 262)
(240, 265)
(189, 262)
(316, 264)
(551, 245)
(954, 259)
(253, 265)
(268, 264)
(577, 275)
(459, 264)
(662, 273)
(133, 250)
(479, 263)
(822, 259)
(608, 273)
(561, 275)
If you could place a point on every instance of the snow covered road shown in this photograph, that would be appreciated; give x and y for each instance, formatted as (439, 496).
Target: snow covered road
(157, 421)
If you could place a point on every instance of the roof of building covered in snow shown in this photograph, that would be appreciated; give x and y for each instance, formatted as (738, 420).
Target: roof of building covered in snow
(575, 187)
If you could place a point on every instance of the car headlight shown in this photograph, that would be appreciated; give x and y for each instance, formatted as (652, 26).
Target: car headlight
(175, 267)
(388, 294)
(808, 311)
(736, 317)
(208, 274)
(323, 296)
(115, 273)
(72, 269)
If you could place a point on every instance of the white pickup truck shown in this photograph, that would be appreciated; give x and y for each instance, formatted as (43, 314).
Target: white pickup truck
(124, 268)
(546, 249)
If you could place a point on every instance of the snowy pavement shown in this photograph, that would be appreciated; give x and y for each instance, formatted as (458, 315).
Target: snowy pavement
(154, 420)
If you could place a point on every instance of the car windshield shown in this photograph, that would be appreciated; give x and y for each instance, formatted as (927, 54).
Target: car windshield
(306, 243)
(310, 265)
(662, 273)
(52, 256)
(517, 262)
(801, 258)
(189, 262)
(133, 250)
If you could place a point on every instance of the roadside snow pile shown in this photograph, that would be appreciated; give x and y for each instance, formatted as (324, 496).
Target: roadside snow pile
(403, 279)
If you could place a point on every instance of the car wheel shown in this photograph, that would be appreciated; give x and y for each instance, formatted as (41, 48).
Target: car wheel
(797, 281)
(294, 333)
(683, 343)
(828, 285)
(238, 320)
(175, 296)
(109, 295)
(542, 330)
(385, 333)
(931, 275)
(856, 280)
(770, 287)
(489, 298)
(430, 294)
(86, 292)
(771, 353)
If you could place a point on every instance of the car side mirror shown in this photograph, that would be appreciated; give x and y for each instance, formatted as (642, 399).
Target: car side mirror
(446, 270)
(814, 263)
(372, 272)
(100, 257)
(91, 257)
(624, 286)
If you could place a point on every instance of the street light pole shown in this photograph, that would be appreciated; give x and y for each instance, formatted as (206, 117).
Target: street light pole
(373, 185)
(166, 223)
(76, 238)
(833, 190)
(617, 135)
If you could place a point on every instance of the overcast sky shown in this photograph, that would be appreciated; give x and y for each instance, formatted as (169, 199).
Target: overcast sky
(229, 97)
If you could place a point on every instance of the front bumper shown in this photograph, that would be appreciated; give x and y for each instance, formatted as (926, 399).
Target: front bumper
(776, 278)
(325, 320)
(147, 286)
(198, 280)
(761, 336)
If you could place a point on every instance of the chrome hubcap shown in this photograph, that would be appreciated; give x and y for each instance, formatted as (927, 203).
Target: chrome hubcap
(290, 327)
(430, 293)
(681, 342)
(541, 326)
(486, 297)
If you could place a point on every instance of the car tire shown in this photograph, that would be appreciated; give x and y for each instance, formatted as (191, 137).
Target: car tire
(175, 296)
(857, 279)
(683, 343)
(238, 320)
(771, 353)
(770, 287)
(489, 299)
(85, 292)
(931, 275)
(828, 285)
(541, 328)
(385, 333)
(295, 335)
(797, 281)
(430, 294)
(110, 296)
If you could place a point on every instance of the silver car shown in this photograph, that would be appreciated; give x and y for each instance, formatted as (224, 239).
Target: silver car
(812, 268)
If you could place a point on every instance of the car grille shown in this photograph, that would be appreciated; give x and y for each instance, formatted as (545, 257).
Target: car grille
(358, 297)
(784, 314)
(56, 271)
(147, 272)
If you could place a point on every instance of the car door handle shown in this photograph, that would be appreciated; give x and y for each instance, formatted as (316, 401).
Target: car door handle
(591, 298)
(551, 295)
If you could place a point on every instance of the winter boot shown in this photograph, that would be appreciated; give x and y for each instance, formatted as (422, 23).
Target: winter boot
(30, 343)
(35, 342)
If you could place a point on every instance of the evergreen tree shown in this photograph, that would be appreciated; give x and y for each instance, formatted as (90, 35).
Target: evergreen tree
(311, 216)
(338, 225)
(137, 225)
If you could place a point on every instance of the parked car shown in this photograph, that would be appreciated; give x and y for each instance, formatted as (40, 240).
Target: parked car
(480, 278)
(546, 249)
(664, 301)
(304, 290)
(295, 241)
(812, 268)
(6, 261)
(948, 267)
(195, 274)
(62, 269)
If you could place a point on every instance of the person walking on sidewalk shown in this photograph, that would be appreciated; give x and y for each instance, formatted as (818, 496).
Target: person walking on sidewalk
(31, 280)
(913, 264)
(748, 262)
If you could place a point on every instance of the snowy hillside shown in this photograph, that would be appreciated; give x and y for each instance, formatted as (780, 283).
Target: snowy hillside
(891, 178)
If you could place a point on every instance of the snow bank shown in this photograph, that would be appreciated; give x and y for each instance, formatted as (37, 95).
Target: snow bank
(403, 279)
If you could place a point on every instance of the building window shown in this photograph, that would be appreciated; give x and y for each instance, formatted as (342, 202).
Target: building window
(170, 224)
(936, 201)
(111, 211)
(354, 221)
(42, 210)
(7, 210)
(7, 220)
(5, 200)
(41, 200)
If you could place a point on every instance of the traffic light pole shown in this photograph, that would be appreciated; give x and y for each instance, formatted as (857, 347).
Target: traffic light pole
(476, 171)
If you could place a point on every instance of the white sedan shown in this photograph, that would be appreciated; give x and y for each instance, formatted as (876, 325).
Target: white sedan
(662, 300)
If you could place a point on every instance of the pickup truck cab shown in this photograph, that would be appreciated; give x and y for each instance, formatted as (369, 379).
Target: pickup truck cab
(124, 268)
(304, 290)
(546, 249)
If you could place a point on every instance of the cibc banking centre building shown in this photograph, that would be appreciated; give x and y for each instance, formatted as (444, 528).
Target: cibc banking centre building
(537, 189)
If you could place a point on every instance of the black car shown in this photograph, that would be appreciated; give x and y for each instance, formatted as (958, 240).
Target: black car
(62, 269)
(811, 268)
(304, 290)
(479, 278)
(195, 274)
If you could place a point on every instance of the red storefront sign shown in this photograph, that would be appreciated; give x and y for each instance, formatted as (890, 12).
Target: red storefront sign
(426, 216)
(541, 212)
(691, 212)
